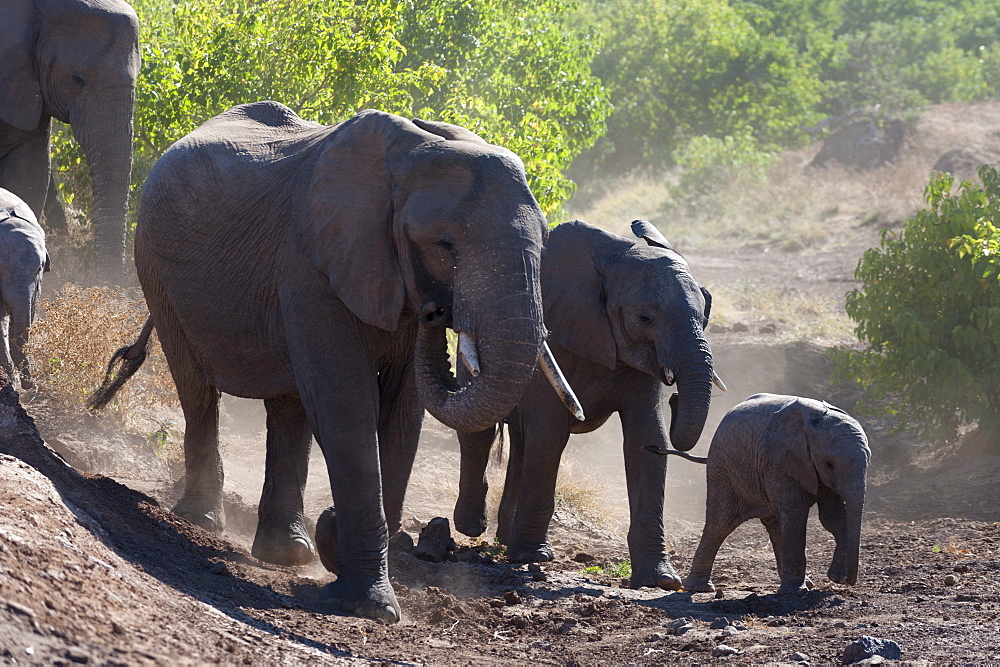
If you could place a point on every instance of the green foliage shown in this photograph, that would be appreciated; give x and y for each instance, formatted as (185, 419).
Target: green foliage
(509, 70)
(929, 311)
(710, 164)
(621, 569)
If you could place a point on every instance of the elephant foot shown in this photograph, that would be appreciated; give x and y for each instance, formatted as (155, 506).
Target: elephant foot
(27, 383)
(660, 574)
(839, 574)
(693, 584)
(530, 552)
(376, 600)
(210, 517)
(326, 539)
(470, 520)
(793, 588)
(289, 545)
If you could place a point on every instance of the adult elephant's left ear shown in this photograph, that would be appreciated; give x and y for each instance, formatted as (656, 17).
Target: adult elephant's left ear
(347, 229)
(20, 94)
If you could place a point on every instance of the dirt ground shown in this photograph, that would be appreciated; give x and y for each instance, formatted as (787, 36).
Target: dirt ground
(95, 569)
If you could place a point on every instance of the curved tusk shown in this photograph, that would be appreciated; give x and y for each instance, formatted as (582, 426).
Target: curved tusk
(668, 375)
(467, 353)
(558, 381)
(718, 381)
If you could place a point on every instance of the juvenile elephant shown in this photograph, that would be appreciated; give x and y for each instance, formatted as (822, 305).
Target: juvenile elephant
(317, 268)
(626, 320)
(23, 260)
(77, 61)
(773, 457)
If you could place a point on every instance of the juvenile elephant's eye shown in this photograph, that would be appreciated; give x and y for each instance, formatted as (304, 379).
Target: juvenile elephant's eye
(78, 78)
(644, 319)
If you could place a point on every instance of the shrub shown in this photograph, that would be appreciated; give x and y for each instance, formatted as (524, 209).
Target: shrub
(70, 348)
(710, 164)
(929, 311)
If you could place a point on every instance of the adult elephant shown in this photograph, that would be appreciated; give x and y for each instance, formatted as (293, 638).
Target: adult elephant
(76, 61)
(317, 268)
(626, 321)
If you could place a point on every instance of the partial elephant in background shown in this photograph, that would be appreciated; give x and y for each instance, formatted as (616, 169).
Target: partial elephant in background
(77, 61)
(626, 320)
(317, 268)
(23, 260)
(773, 457)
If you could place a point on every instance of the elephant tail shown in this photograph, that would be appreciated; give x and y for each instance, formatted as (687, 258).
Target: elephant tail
(123, 365)
(499, 448)
(664, 452)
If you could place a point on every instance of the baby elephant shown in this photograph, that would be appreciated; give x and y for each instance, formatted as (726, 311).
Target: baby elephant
(773, 457)
(22, 261)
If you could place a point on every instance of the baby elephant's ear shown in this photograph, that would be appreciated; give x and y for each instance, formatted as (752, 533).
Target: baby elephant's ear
(644, 229)
(787, 447)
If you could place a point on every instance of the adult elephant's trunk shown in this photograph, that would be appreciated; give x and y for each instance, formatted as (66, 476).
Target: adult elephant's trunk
(854, 507)
(689, 408)
(502, 316)
(105, 133)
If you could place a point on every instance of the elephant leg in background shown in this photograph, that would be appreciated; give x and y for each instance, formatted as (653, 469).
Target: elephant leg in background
(470, 508)
(5, 361)
(343, 415)
(645, 476)
(400, 418)
(282, 536)
(24, 170)
(721, 519)
(793, 512)
(20, 306)
(833, 516)
(512, 484)
(770, 523)
(545, 436)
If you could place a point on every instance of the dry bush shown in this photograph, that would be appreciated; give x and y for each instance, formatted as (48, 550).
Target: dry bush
(74, 340)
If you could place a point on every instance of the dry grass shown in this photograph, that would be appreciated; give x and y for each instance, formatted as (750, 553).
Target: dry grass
(74, 340)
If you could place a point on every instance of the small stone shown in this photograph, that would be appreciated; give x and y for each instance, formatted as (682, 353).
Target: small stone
(962, 568)
(402, 542)
(729, 631)
(539, 576)
(625, 582)
(21, 609)
(950, 580)
(798, 656)
(117, 628)
(435, 541)
(534, 567)
(77, 656)
(30, 650)
(656, 637)
(739, 327)
(719, 595)
(584, 557)
(869, 647)
(719, 623)
(512, 597)
(715, 327)
(722, 650)
(769, 328)
(219, 568)
(840, 624)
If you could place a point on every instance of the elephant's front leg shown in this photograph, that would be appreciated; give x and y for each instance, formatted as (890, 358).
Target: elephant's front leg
(339, 388)
(645, 475)
(793, 512)
(282, 536)
(470, 508)
(833, 516)
(400, 418)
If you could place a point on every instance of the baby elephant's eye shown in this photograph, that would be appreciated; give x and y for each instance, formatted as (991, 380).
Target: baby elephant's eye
(644, 319)
(78, 78)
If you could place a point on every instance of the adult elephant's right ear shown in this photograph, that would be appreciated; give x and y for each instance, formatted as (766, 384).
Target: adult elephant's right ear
(573, 289)
(20, 94)
(447, 130)
(346, 228)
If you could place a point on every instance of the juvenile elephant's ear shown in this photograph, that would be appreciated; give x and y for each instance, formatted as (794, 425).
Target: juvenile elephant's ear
(644, 229)
(448, 131)
(347, 226)
(787, 447)
(573, 289)
(20, 94)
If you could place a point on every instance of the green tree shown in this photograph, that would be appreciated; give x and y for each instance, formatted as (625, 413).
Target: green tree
(929, 311)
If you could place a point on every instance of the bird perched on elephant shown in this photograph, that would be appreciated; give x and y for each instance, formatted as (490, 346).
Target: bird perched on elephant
(773, 457)
(23, 260)
(317, 268)
(76, 61)
(626, 321)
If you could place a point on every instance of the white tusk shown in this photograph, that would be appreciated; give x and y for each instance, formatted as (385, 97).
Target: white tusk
(467, 353)
(558, 381)
(718, 381)
(668, 375)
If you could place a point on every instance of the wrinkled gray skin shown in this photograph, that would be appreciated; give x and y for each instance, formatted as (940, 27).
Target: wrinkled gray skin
(76, 61)
(773, 457)
(620, 313)
(317, 268)
(23, 260)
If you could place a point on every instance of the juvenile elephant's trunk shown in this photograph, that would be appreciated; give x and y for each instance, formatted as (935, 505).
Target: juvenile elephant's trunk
(507, 326)
(689, 408)
(855, 503)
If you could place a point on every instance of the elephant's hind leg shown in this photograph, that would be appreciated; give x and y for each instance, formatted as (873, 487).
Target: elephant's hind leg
(282, 536)
(722, 517)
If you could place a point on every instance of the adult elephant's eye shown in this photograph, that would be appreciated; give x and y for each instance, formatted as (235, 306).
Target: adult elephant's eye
(78, 78)
(446, 243)
(644, 319)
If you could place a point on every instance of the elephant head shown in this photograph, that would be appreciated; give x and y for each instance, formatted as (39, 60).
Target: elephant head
(77, 61)
(451, 233)
(612, 300)
(819, 445)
